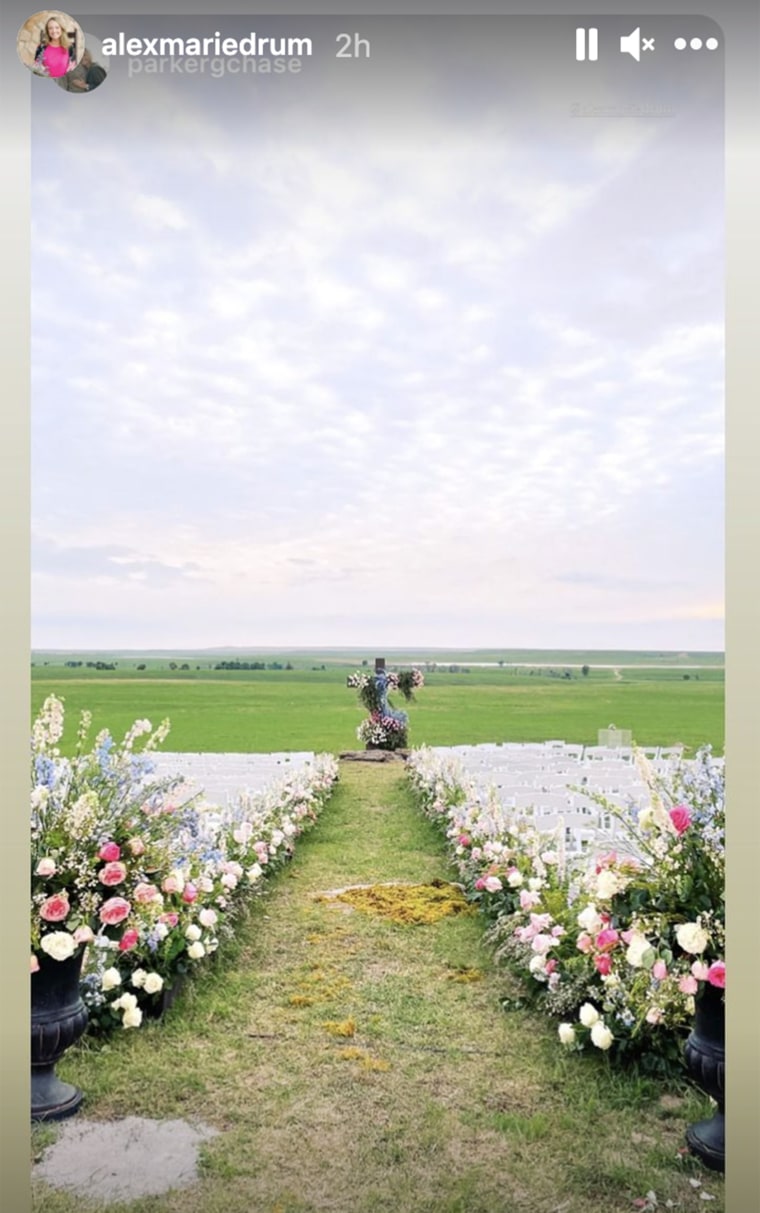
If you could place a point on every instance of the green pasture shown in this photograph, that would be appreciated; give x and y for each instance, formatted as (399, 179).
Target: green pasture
(309, 708)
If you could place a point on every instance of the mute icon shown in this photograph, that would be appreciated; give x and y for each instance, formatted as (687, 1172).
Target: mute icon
(633, 44)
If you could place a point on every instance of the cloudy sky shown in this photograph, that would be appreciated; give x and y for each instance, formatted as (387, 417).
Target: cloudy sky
(396, 359)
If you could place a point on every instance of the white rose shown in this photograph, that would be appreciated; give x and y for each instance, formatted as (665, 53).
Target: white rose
(567, 1033)
(515, 879)
(138, 978)
(59, 945)
(692, 937)
(110, 979)
(193, 932)
(132, 1018)
(254, 872)
(160, 930)
(542, 943)
(637, 950)
(127, 1002)
(535, 883)
(207, 918)
(646, 819)
(206, 884)
(277, 837)
(601, 1035)
(153, 983)
(196, 950)
(229, 881)
(537, 964)
(608, 884)
(588, 1015)
(549, 857)
(589, 919)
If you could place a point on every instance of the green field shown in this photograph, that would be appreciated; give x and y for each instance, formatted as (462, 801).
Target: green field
(309, 706)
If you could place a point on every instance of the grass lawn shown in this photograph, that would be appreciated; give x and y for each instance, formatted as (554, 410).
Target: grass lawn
(307, 709)
(433, 1100)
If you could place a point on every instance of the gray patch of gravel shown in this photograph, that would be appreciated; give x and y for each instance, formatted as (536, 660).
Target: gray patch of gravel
(123, 1159)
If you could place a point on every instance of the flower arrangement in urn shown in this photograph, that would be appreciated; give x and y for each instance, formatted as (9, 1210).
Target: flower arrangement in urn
(621, 945)
(385, 728)
(96, 835)
(133, 881)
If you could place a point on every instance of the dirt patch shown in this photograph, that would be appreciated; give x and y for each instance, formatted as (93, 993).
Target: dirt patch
(374, 755)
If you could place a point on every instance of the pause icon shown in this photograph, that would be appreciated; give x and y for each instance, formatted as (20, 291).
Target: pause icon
(586, 44)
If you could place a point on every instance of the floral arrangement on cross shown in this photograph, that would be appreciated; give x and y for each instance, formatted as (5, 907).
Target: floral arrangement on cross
(386, 727)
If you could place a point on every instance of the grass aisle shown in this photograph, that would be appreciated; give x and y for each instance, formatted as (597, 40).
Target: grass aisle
(354, 1065)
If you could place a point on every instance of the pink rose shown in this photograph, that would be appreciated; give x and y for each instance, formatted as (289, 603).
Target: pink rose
(136, 846)
(716, 974)
(681, 817)
(584, 943)
(112, 873)
(603, 963)
(46, 867)
(171, 920)
(480, 883)
(550, 965)
(605, 861)
(607, 939)
(528, 900)
(145, 893)
(688, 985)
(189, 893)
(654, 1015)
(172, 885)
(128, 940)
(110, 852)
(659, 970)
(464, 840)
(700, 970)
(114, 911)
(84, 935)
(55, 908)
(34, 964)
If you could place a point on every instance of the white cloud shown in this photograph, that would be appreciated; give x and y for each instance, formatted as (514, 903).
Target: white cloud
(426, 373)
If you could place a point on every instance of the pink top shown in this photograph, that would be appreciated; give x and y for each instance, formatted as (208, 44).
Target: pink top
(56, 60)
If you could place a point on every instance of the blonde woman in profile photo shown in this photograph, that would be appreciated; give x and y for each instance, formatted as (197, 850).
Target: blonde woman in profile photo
(56, 53)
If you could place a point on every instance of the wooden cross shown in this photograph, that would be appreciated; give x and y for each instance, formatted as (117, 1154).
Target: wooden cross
(379, 665)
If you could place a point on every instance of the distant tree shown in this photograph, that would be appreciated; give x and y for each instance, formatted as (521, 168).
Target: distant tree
(172, 665)
(686, 677)
(288, 665)
(365, 662)
(585, 671)
(184, 666)
(141, 667)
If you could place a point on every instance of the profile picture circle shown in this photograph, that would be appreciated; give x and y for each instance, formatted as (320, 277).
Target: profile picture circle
(50, 43)
(91, 70)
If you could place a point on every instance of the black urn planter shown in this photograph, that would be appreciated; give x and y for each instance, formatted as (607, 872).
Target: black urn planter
(59, 1017)
(705, 1058)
